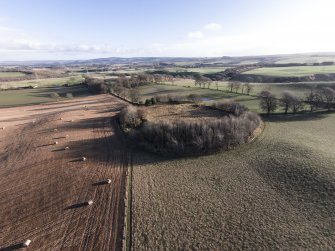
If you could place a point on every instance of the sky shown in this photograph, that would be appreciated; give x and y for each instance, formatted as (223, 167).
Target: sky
(82, 29)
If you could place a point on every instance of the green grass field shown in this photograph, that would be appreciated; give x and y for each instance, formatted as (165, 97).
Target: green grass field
(276, 193)
(306, 59)
(277, 88)
(149, 91)
(128, 71)
(186, 87)
(296, 71)
(301, 89)
(42, 82)
(38, 96)
(12, 74)
(202, 70)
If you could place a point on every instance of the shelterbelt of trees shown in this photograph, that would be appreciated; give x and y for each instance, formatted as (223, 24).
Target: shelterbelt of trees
(127, 87)
(184, 137)
(317, 99)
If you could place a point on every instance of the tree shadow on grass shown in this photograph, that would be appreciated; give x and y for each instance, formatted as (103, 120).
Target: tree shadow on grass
(307, 116)
(299, 176)
(77, 91)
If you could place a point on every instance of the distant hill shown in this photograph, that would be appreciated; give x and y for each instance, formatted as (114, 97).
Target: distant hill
(308, 58)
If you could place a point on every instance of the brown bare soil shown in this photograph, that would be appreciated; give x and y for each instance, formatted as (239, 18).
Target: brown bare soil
(43, 186)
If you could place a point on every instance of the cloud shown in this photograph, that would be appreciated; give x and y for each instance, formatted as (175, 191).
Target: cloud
(279, 36)
(213, 27)
(195, 34)
(14, 41)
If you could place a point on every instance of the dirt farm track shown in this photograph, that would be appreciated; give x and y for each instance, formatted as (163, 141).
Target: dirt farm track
(44, 185)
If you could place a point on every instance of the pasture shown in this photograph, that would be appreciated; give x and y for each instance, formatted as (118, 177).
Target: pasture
(11, 74)
(41, 82)
(306, 59)
(293, 71)
(208, 95)
(275, 193)
(184, 87)
(39, 95)
(300, 88)
(202, 70)
(149, 91)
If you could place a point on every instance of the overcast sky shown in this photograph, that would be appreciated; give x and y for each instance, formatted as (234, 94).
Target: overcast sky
(82, 29)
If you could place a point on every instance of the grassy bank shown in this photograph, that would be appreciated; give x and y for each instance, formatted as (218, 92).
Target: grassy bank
(275, 193)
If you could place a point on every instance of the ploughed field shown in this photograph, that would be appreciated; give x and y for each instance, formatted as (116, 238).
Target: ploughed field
(43, 185)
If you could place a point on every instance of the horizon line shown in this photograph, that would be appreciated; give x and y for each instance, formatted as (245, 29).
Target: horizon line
(167, 57)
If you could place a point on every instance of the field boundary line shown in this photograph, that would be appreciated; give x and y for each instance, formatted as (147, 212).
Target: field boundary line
(126, 245)
(125, 99)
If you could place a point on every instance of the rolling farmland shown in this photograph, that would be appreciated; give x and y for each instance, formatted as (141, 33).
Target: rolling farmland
(11, 98)
(64, 176)
(275, 193)
(294, 71)
(47, 82)
(203, 70)
(44, 183)
(167, 125)
(11, 74)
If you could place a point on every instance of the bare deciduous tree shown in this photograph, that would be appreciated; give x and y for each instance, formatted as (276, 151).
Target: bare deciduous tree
(314, 99)
(290, 100)
(118, 89)
(217, 85)
(231, 85)
(134, 95)
(268, 101)
(236, 86)
(297, 104)
(202, 81)
(329, 97)
(209, 83)
(249, 88)
(184, 137)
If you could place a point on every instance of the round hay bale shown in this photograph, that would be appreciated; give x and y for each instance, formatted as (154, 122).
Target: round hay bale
(56, 142)
(3, 128)
(66, 148)
(26, 243)
(55, 130)
(90, 202)
(72, 120)
(108, 181)
(60, 118)
(83, 158)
